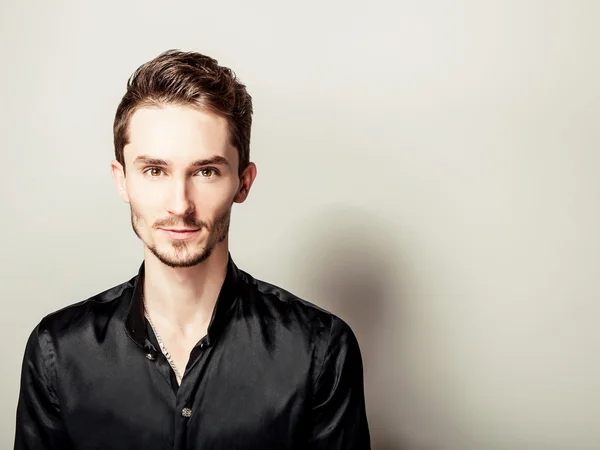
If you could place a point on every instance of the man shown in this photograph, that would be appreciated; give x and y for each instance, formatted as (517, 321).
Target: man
(192, 352)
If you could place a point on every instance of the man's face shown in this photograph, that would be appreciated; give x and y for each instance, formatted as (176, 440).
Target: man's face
(181, 181)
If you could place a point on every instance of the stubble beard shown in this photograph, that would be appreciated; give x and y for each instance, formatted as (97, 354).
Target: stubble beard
(183, 254)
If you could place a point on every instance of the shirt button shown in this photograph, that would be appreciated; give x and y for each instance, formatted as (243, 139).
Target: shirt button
(186, 412)
(150, 356)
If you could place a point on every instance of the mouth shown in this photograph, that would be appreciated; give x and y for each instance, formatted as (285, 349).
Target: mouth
(182, 233)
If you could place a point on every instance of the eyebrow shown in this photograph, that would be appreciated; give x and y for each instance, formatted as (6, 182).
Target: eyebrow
(213, 161)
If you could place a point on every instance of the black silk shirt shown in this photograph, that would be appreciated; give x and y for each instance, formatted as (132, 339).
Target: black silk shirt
(273, 372)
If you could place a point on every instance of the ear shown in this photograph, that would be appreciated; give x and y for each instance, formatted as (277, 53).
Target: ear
(118, 173)
(246, 179)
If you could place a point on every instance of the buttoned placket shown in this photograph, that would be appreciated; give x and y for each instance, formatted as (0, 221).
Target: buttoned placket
(183, 393)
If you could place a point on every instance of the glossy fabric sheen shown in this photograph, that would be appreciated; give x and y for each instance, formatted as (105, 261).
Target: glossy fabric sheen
(273, 372)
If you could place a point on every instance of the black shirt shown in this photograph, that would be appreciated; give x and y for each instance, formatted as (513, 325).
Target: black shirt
(273, 372)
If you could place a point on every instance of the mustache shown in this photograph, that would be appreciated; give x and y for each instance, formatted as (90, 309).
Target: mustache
(183, 221)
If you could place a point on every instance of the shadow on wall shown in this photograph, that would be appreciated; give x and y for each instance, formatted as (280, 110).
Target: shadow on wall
(351, 267)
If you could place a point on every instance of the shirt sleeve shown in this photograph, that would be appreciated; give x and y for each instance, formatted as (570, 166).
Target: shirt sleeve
(338, 415)
(39, 424)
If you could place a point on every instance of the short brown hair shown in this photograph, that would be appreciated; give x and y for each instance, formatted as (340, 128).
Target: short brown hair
(188, 79)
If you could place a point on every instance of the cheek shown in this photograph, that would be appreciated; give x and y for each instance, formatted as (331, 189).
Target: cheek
(145, 199)
(214, 198)
(208, 209)
(211, 209)
(144, 210)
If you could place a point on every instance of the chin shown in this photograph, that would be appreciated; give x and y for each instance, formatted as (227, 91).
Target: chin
(180, 264)
(181, 259)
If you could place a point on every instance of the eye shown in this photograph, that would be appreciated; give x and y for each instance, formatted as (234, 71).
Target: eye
(208, 172)
(153, 172)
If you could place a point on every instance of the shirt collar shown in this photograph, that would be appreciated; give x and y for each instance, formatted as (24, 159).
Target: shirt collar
(135, 322)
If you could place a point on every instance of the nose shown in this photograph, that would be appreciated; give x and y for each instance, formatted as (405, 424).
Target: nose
(180, 203)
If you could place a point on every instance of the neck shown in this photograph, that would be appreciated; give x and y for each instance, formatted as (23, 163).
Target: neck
(183, 299)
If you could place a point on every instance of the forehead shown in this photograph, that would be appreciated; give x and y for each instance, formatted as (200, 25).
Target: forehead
(179, 134)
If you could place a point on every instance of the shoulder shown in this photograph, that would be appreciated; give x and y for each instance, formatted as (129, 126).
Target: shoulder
(290, 309)
(327, 342)
(97, 308)
(283, 302)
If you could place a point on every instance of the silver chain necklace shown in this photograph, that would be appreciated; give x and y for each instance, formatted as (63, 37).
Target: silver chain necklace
(163, 348)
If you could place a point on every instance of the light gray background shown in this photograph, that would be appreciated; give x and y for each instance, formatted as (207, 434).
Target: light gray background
(427, 170)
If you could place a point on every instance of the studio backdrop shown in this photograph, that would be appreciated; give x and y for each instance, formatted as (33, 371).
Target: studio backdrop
(427, 170)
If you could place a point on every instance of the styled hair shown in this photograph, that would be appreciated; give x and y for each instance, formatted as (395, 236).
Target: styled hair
(187, 79)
